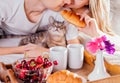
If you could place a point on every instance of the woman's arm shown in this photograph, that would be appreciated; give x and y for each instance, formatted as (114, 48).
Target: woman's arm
(93, 30)
(73, 41)
(12, 50)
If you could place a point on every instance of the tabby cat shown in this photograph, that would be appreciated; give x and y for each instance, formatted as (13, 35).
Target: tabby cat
(53, 35)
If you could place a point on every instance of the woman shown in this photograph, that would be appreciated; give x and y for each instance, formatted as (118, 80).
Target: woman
(26, 16)
(96, 16)
(95, 11)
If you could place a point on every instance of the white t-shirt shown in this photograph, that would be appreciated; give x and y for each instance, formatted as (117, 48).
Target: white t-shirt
(13, 19)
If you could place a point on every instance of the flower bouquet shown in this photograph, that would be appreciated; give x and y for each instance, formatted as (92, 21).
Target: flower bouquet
(101, 44)
(97, 46)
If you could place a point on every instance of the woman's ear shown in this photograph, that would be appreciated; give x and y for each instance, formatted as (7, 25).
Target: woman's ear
(51, 20)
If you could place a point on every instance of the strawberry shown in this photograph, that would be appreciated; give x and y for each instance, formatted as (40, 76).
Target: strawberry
(44, 76)
(22, 73)
(38, 66)
(32, 64)
(19, 66)
(39, 60)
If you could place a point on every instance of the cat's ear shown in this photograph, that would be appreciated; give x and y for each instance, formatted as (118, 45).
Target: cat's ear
(51, 20)
(65, 23)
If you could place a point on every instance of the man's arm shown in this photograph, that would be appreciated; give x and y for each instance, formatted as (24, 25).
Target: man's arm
(12, 50)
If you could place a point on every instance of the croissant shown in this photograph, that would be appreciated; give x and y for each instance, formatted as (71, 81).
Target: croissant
(72, 18)
(7, 75)
(65, 76)
(89, 58)
(112, 69)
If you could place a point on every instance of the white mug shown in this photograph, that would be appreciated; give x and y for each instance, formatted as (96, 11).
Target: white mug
(75, 56)
(59, 53)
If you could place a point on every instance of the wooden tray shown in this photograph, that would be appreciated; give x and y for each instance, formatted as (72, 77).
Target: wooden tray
(86, 69)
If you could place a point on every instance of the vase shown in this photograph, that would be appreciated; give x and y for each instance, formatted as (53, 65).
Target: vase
(99, 71)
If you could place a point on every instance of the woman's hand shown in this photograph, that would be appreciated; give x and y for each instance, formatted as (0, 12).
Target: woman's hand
(33, 50)
(91, 28)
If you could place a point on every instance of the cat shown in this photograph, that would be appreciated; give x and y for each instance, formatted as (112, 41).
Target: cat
(53, 35)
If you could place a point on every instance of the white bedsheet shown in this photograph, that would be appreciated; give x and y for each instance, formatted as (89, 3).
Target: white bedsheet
(8, 59)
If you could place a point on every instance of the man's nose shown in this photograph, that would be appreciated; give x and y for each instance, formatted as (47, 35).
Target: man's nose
(68, 2)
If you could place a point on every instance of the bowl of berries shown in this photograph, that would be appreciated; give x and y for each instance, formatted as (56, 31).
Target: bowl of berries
(33, 70)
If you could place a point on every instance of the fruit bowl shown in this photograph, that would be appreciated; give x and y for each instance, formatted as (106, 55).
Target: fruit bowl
(33, 70)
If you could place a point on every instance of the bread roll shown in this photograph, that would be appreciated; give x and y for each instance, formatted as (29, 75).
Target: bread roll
(65, 76)
(72, 18)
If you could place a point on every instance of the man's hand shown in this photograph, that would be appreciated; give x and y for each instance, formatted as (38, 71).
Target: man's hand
(33, 50)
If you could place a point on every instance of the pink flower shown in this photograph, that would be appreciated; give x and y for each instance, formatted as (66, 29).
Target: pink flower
(100, 44)
(92, 46)
(96, 44)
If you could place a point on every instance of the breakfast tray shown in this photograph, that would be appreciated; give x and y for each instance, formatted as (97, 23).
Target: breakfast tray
(86, 69)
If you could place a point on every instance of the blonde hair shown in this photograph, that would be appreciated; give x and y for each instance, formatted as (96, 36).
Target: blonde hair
(100, 10)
